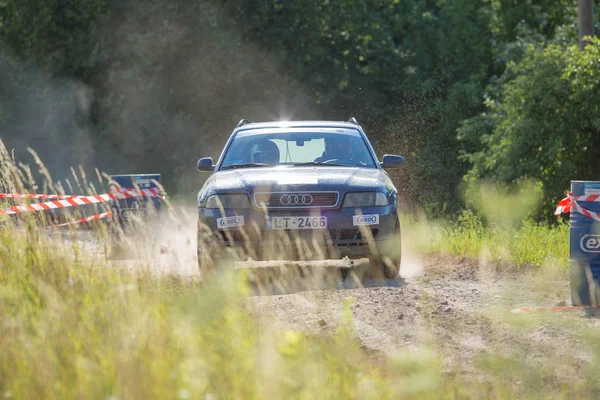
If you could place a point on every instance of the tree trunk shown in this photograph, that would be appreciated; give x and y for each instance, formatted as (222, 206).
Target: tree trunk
(586, 21)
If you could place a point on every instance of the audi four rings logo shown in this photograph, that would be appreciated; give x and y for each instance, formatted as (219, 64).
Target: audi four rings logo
(296, 199)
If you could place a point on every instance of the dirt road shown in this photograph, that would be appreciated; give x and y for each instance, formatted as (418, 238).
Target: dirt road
(455, 306)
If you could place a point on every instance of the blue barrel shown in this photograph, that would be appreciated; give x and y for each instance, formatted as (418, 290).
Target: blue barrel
(143, 207)
(585, 247)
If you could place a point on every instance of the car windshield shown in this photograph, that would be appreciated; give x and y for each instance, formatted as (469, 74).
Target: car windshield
(342, 147)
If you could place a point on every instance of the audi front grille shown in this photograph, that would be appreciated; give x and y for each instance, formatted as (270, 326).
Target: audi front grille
(296, 200)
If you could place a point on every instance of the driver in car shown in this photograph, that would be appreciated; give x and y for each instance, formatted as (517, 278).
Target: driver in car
(337, 150)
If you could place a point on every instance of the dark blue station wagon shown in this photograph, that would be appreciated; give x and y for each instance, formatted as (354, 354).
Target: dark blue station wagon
(300, 190)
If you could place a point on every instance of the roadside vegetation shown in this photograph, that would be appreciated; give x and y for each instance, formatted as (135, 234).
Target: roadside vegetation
(531, 245)
(497, 228)
(74, 324)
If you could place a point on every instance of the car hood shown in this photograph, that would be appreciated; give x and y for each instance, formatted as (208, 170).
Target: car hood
(277, 179)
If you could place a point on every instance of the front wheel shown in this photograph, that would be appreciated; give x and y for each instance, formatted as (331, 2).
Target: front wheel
(384, 267)
(386, 263)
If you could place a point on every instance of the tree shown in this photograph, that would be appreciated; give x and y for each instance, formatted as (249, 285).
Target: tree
(547, 124)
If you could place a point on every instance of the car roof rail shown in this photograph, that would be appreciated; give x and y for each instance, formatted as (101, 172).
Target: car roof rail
(353, 120)
(243, 122)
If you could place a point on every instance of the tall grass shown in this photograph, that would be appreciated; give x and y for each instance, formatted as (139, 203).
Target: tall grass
(88, 330)
(530, 245)
(75, 324)
(83, 327)
(496, 229)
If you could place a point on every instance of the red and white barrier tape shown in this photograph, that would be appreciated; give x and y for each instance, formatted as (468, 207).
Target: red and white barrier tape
(586, 212)
(83, 220)
(572, 202)
(37, 196)
(564, 206)
(64, 201)
(119, 194)
(526, 310)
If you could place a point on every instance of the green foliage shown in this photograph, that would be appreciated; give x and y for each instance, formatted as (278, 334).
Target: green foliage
(160, 85)
(77, 324)
(529, 245)
(56, 34)
(431, 60)
(497, 228)
(510, 18)
(122, 84)
(465, 237)
(430, 72)
(540, 246)
(546, 126)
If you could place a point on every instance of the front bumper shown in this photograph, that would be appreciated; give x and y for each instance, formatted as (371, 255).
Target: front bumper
(341, 237)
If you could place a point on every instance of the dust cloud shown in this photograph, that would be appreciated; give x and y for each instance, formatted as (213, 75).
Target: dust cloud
(162, 122)
(171, 90)
(47, 114)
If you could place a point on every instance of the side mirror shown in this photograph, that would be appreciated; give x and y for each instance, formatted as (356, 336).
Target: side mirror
(205, 164)
(391, 161)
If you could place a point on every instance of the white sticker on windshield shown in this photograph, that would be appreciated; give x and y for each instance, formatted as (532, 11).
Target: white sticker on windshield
(370, 219)
(230, 222)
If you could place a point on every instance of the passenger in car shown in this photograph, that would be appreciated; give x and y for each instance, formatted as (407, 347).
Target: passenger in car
(340, 150)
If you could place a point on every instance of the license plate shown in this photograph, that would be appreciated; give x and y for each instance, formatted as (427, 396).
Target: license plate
(298, 223)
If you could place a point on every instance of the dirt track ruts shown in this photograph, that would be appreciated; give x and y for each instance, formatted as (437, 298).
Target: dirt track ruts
(454, 305)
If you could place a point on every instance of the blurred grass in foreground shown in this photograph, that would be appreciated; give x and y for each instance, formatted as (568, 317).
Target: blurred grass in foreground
(87, 329)
(91, 329)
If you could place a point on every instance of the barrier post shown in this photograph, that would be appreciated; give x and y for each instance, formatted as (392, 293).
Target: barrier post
(585, 242)
(141, 207)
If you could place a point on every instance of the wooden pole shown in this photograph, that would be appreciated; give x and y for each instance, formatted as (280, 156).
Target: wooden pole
(586, 21)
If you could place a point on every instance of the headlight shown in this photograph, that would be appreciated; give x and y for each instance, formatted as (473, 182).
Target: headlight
(365, 199)
(227, 201)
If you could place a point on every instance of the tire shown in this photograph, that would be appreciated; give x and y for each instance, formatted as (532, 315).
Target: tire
(387, 264)
(205, 264)
(384, 267)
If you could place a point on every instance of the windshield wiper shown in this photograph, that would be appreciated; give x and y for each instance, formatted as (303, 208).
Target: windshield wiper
(247, 165)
